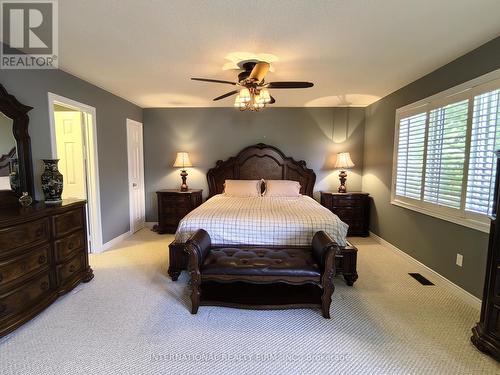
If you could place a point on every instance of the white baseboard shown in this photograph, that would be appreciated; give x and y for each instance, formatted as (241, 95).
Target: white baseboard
(472, 299)
(108, 245)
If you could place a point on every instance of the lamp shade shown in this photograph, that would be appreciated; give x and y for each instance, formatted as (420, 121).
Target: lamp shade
(182, 160)
(344, 161)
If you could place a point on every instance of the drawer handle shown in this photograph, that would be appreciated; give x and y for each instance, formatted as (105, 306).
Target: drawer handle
(44, 285)
(23, 266)
(3, 308)
(72, 268)
(70, 246)
(41, 259)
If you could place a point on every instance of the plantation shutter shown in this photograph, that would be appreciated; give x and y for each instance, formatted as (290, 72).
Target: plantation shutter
(410, 158)
(446, 145)
(485, 139)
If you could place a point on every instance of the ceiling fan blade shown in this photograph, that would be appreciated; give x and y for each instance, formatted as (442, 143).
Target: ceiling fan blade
(213, 80)
(259, 71)
(272, 100)
(226, 95)
(289, 85)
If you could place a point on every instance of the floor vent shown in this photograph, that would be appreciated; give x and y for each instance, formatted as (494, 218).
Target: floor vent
(422, 280)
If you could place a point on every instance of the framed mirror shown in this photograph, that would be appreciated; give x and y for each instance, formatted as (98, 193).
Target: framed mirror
(16, 168)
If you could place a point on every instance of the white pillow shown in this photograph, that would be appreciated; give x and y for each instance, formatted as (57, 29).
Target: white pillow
(282, 188)
(243, 188)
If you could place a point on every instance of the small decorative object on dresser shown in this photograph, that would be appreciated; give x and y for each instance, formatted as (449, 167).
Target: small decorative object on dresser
(352, 208)
(486, 333)
(182, 161)
(173, 205)
(52, 182)
(25, 200)
(343, 162)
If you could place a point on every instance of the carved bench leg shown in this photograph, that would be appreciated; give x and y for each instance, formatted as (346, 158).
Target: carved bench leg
(326, 300)
(195, 297)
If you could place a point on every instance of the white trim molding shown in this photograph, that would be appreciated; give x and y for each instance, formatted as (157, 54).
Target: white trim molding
(93, 191)
(468, 297)
(115, 241)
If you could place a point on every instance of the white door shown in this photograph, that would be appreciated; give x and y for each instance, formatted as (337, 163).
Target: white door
(71, 153)
(136, 175)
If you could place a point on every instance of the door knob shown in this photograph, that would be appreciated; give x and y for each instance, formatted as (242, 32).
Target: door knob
(134, 184)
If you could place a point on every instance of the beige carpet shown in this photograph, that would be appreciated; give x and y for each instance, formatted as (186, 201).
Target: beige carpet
(131, 319)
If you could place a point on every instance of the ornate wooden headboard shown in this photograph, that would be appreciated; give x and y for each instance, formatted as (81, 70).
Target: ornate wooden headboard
(260, 161)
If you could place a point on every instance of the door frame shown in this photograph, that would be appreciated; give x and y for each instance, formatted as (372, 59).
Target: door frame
(92, 164)
(129, 124)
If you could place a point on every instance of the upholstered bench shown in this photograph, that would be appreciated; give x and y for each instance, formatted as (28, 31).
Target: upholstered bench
(261, 277)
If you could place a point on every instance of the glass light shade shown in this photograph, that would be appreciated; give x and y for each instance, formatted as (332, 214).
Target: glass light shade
(237, 101)
(258, 99)
(264, 94)
(244, 95)
(182, 160)
(344, 161)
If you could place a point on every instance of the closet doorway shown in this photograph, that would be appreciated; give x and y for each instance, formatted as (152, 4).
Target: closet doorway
(74, 143)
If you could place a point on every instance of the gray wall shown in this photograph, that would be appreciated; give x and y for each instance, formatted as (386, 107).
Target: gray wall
(209, 134)
(31, 87)
(432, 241)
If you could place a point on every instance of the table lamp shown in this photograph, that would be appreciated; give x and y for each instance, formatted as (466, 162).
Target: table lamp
(182, 161)
(343, 162)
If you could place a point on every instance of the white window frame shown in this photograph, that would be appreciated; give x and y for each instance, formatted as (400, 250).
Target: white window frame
(485, 83)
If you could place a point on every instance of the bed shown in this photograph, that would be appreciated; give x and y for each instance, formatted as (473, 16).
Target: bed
(261, 221)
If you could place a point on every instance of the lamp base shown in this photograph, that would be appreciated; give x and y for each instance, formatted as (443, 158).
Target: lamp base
(342, 178)
(184, 175)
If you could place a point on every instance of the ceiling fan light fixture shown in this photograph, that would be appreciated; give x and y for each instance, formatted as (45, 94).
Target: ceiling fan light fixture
(244, 95)
(266, 97)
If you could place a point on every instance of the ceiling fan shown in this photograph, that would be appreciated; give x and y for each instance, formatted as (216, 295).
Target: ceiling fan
(253, 90)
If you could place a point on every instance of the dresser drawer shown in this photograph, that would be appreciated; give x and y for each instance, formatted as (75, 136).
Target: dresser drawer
(67, 222)
(24, 234)
(349, 213)
(66, 271)
(68, 246)
(178, 200)
(348, 201)
(23, 265)
(29, 294)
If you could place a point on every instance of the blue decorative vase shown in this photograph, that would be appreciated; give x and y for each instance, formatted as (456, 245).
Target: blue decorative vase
(52, 182)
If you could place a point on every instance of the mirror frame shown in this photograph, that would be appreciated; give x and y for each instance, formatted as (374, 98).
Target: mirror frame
(18, 113)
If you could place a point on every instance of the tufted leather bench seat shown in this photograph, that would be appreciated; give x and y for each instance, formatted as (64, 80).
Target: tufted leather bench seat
(261, 262)
(305, 268)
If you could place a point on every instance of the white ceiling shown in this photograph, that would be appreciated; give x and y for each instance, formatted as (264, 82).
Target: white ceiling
(354, 51)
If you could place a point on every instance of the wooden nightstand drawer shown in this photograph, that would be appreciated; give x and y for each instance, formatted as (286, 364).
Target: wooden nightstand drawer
(173, 205)
(352, 208)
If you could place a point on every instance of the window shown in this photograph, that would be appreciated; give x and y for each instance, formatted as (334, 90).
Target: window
(444, 162)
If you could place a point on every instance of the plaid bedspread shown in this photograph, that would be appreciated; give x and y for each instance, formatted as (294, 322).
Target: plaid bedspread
(262, 221)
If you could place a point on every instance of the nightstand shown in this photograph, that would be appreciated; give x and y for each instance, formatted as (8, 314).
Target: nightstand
(173, 205)
(352, 208)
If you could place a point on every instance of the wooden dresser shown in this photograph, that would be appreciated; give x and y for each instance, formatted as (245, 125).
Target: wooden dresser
(173, 205)
(486, 333)
(43, 254)
(352, 208)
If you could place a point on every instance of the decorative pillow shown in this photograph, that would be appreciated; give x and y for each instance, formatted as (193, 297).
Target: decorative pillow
(243, 188)
(282, 188)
